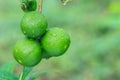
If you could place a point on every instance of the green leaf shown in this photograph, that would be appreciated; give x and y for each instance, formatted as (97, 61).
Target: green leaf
(25, 72)
(7, 76)
(38, 73)
(8, 67)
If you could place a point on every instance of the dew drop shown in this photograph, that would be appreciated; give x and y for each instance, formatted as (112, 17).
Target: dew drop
(65, 46)
(19, 61)
(24, 32)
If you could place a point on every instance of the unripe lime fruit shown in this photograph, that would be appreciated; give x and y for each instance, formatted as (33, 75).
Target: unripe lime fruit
(33, 24)
(27, 52)
(55, 42)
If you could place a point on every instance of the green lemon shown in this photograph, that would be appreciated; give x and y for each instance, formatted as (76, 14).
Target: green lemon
(28, 5)
(27, 52)
(55, 42)
(33, 24)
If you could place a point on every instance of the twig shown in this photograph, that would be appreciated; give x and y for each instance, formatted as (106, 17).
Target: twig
(40, 6)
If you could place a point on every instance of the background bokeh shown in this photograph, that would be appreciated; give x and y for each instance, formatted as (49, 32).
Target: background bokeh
(94, 28)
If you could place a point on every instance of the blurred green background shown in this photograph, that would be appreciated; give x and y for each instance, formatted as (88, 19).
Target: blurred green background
(94, 28)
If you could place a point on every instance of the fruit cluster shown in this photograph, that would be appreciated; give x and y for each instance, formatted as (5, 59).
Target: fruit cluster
(39, 42)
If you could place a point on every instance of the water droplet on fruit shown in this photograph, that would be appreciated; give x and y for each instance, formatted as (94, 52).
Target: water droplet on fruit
(24, 32)
(65, 46)
(19, 61)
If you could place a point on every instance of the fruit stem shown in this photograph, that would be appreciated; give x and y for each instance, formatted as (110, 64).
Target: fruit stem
(25, 72)
(40, 6)
(21, 75)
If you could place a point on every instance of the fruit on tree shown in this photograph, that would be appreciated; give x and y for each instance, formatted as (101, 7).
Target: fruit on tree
(27, 52)
(33, 24)
(55, 42)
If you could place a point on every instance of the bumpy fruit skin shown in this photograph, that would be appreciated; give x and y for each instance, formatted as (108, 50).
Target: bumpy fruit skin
(33, 24)
(55, 42)
(27, 52)
(28, 5)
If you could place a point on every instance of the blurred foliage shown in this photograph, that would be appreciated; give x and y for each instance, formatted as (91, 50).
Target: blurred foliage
(6, 71)
(94, 27)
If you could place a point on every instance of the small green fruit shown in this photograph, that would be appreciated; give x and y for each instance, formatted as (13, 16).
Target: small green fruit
(55, 42)
(33, 24)
(27, 52)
